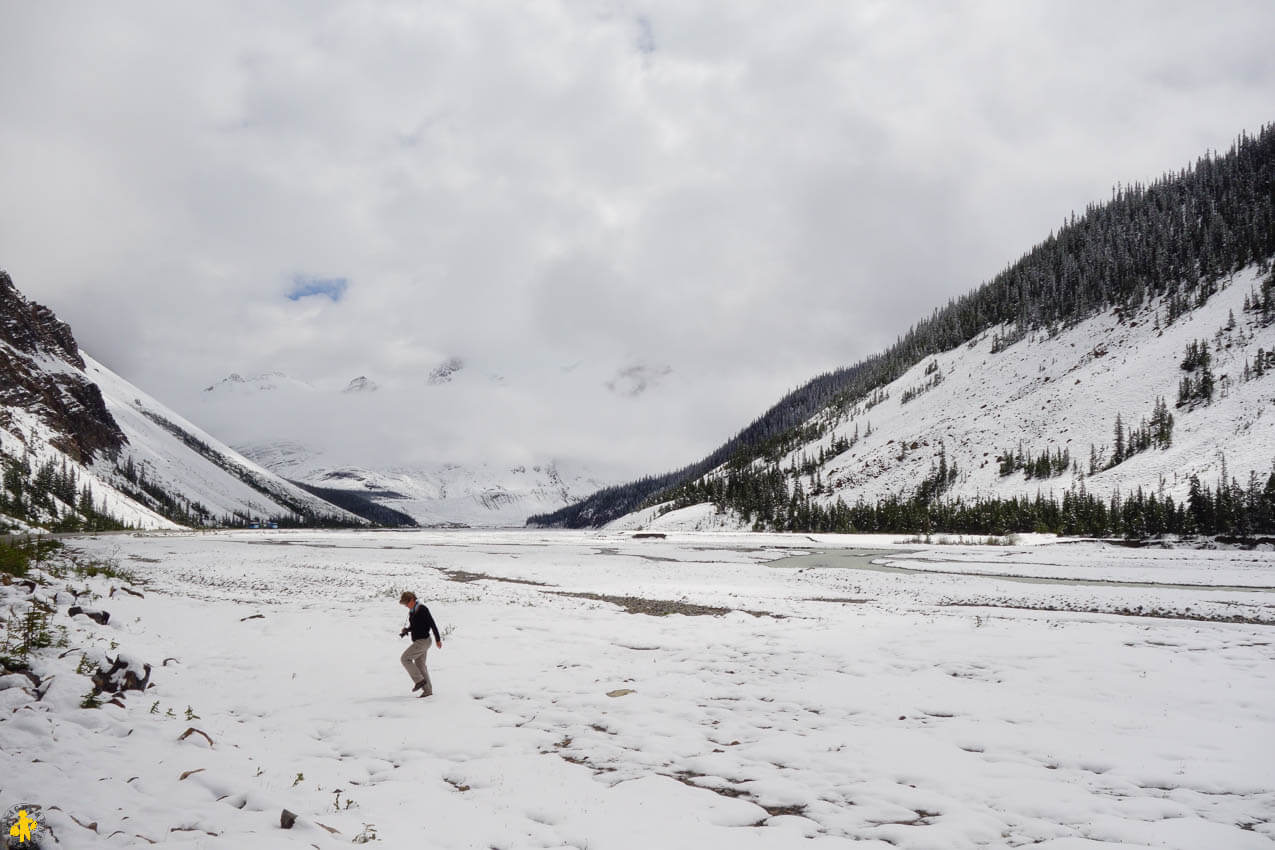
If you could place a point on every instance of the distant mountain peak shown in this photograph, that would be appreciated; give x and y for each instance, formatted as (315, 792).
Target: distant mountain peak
(633, 381)
(265, 381)
(443, 372)
(361, 384)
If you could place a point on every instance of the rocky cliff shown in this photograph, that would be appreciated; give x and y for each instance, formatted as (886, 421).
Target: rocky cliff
(41, 371)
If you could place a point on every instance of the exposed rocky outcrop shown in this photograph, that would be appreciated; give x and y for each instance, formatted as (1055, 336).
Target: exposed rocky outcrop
(121, 674)
(33, 345)
(361, 384)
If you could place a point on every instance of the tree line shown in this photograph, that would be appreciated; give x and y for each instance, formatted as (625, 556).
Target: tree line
(761, 497)
(51, 494)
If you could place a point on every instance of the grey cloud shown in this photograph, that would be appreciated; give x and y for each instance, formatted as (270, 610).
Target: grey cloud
(747, 193)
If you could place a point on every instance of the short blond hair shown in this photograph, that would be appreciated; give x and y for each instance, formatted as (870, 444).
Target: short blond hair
(407, 596)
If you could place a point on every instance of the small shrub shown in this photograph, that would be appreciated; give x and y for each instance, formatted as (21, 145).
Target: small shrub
(33, 630)
(14, 560)
(106, 569)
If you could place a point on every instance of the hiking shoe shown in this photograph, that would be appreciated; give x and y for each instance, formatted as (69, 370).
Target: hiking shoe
(424, 694)
(418, 685)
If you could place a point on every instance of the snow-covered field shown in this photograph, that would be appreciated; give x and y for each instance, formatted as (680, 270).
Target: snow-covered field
(799, 695)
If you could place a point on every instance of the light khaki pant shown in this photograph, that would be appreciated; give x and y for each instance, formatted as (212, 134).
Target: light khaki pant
(413, 659)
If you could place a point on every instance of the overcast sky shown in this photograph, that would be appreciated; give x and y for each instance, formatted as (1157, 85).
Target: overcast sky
(637, 224)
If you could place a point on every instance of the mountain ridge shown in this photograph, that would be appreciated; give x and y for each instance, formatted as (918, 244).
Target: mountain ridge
(927, 441)
(36, 351)
(1173, 240)
(83, 449)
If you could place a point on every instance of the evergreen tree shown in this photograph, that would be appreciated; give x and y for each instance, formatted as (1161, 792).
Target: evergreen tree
(1200, 507)
(1118, 450)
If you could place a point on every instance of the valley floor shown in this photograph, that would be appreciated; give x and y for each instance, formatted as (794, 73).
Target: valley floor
(802, 692)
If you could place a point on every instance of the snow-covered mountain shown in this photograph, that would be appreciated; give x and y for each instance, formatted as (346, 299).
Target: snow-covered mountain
(412, 443)
(81, 446)
(270, 381)
(276, 384)
(636, 379)
(444, 372)
(975, 408)
(440, 494)
(1116, 379)
(361, 384)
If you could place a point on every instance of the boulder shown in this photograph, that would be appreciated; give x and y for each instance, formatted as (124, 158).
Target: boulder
(102, 617)
(123, 674)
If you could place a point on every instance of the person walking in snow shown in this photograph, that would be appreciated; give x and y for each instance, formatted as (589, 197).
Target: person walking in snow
(420, 624)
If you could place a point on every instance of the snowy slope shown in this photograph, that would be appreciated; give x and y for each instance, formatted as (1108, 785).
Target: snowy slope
(1052, 393)
(215, 475)
(81, 445)
(26, 435)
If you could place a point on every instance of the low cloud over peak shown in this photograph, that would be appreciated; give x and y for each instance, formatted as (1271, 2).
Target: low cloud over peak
(753, 193)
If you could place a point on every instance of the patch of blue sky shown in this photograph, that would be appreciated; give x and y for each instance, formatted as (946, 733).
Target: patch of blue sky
(645, 36)
(305, 286)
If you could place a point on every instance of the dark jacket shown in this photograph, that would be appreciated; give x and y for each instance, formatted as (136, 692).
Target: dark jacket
(421, 623)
